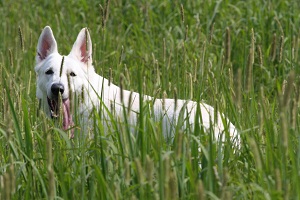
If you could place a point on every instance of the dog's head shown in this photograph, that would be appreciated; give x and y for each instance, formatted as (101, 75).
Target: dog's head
(59, 76)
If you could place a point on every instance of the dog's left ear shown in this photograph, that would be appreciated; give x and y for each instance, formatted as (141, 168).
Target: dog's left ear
(46, 45)
(82, 48)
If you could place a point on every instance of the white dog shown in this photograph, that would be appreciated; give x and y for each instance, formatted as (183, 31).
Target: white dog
(63, 79)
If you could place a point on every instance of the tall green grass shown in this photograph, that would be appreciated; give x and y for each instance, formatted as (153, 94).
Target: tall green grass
(241, 57)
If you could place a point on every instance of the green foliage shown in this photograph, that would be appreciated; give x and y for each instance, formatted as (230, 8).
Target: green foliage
(239, 56)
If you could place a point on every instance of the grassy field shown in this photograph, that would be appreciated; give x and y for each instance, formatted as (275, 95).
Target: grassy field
(242, 57)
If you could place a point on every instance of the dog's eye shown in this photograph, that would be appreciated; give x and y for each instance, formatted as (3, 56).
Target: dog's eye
(50, 71)
(72, 74)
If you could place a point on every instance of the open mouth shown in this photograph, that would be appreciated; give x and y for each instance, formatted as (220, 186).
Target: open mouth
(54, 105)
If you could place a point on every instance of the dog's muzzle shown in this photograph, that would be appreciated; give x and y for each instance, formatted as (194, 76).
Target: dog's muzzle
(57, 90)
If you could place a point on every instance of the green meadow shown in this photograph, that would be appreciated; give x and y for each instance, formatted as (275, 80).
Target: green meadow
(241, 57)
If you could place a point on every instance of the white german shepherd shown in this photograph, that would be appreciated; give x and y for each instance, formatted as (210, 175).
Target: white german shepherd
(61, 79)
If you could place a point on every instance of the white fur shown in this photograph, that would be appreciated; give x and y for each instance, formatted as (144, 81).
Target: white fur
(86, 82)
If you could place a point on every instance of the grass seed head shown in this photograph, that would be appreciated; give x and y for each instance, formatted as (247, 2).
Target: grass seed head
(164, 100)
(127, 74)
(191, 85)
(156, 94)
(256, 154)
(12, 176)
(7, 188)
(21, 37)
(296, 49)
(51, 179)
(175, 98)
(173, 185)
(284, 129)
(121, 55)
(179, 144)
(127, 176)
(273, 48)
(252, 48)
(110, 77)
(287, 89)
(129, 102)
(122, 87)
(149, 169)
(186, 32)
(260, 56)
(61, 66)
(82, 95)
(195, 70)
(211, 33)
(227, 46)
(249, 73)
(70, 89)
(164, 50)
(279, 25)
(167, 176)
(278, 180)
(104, 13)
(139, 170)
(182, 13)
(281, 44)
(11, 59)
(200, 190)
(293, 47)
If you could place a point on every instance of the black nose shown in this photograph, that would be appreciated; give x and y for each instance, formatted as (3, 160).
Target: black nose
(57, 88)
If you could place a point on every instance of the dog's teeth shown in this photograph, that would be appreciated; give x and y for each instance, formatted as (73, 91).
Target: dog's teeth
(53, 114)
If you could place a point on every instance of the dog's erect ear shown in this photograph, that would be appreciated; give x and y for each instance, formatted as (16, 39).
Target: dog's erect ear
(82, 48)
(46, 45)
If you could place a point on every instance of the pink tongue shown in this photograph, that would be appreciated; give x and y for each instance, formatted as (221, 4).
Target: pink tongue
(67, 118)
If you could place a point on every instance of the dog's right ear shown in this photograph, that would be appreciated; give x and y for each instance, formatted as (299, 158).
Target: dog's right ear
(82, 48)
(46, 45)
